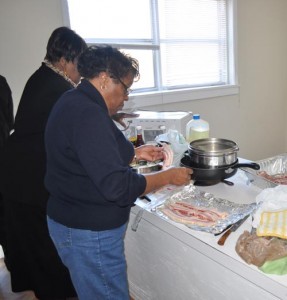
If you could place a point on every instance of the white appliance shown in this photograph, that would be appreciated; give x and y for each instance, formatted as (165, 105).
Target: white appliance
(154, 123)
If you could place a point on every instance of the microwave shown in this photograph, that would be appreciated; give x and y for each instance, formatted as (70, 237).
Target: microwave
(154, 123)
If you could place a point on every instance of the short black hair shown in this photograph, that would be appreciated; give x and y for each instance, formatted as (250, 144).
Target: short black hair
(105, 58)
(66, 43)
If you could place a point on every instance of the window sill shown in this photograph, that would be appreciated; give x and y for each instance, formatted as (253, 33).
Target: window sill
(166, 97)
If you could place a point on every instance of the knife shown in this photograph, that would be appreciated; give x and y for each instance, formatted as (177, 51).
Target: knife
(233, 227)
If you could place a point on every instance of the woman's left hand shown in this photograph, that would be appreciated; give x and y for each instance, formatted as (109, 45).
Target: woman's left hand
(149, 153)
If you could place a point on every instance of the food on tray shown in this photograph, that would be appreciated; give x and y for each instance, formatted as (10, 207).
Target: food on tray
(273, 172)
(276, 178)
(199, 210)
(186, 213)
(257, 250)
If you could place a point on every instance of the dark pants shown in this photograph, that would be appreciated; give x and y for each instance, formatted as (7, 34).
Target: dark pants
(3, 238)
(32, 259)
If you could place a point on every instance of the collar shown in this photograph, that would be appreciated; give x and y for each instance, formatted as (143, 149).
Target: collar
(89, 90)
(58, 71)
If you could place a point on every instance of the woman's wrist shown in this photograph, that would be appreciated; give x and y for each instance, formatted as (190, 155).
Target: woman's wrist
(135, 159)
(137, 156)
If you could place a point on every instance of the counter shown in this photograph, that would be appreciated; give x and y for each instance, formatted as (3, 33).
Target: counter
(167, 260)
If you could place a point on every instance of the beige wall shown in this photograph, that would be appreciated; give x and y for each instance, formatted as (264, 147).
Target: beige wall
(25, 27)
(255, 118)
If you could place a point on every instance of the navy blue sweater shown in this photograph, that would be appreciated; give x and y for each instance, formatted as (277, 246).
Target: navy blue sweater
(88, 176)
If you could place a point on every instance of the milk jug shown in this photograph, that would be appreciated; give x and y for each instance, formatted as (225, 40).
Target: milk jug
(196, 128)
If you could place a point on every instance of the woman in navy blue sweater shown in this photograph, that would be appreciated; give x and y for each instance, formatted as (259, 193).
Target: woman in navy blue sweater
(92, 187)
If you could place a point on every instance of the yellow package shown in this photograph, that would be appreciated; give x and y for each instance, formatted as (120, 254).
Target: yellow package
(273, 224)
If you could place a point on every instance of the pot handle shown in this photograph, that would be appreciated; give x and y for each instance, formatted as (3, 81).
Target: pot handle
(253, 166)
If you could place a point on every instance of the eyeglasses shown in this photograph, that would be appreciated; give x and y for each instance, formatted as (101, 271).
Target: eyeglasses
(127, 90)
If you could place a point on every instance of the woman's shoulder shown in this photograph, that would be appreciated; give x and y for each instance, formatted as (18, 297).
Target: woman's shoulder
(3, 81)
(47, 81)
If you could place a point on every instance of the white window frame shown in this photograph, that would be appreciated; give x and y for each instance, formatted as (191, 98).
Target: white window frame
(144, 99)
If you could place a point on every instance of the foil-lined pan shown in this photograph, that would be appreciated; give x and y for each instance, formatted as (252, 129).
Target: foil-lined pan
(192, 195)
(276, 165)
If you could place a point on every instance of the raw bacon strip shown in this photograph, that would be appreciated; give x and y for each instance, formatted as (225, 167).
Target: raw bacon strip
(277, 178)
(212, 211)
(186, 213)
(190, 213)
(186, 220)
(168, 156)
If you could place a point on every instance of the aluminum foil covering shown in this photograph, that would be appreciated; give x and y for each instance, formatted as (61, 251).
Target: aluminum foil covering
(273, 166)
(191, 194)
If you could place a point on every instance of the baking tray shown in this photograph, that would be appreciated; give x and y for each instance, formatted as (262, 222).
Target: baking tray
(272, 165)
(200, 199)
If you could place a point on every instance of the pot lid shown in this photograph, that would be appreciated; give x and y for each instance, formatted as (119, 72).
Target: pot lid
(213, 146)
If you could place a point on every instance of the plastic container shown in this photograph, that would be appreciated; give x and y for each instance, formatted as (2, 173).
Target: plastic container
(196, 129)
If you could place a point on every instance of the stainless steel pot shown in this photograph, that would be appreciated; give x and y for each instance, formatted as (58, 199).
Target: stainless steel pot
(212, 152)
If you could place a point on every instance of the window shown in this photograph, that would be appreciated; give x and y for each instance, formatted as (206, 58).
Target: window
(183, 46)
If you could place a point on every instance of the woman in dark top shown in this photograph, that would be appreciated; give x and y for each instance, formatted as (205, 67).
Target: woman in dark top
(6, 111)
(6, 125)
(92, 187)
(31, 257)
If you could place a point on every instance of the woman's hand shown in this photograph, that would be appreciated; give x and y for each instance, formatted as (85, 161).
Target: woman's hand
(174, 175)
(179, 176)
(149, 153)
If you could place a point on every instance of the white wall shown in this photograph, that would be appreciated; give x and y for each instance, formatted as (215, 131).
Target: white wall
(25, 27)
(255, 118)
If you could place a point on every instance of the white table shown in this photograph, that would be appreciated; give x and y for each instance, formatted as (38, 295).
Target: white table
(168, 261)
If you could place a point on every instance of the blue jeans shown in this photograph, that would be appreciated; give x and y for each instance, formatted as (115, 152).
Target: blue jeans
(95, 259)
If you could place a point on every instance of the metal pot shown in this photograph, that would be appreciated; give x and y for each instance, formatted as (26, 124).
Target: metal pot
(212, 175)
(213, 152)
